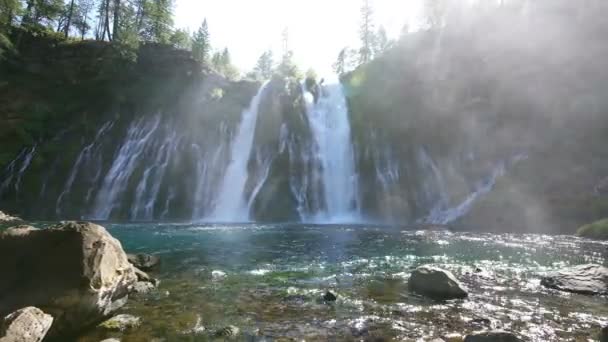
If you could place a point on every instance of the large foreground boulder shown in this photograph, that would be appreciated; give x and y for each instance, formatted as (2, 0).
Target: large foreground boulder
(584, 279)
(25, 325)
(436, 283)
(76, 272)
(492, 336)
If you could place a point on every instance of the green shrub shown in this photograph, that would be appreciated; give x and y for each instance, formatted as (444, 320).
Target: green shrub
(597, 230)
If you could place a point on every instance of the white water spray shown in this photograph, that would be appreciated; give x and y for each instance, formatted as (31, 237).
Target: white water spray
(231, 204)
(330, 127)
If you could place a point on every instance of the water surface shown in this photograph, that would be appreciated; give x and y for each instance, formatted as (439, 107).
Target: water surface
(276, 275)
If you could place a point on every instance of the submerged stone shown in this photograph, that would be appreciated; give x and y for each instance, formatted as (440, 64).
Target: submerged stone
(227, 332)
(492, 336)
(25, 325)
(121, 323)
(436, 283)
(583, 279)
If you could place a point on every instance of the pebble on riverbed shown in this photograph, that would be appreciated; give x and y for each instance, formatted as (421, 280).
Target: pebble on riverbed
(218, 275)
(121, 323)
(329, 297)
(492, 336)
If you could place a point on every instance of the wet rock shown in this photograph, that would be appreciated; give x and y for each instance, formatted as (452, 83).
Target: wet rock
(227, 332)
(76, 271)
(145, 284)
(329, 297)
(8, 219)
(218, 275)
(436, 283)
(604, 334)
(492, 336)
(583, 279)
(26, 325)
(121, 323)
(111, 340)
(144, 262)
(143, 287)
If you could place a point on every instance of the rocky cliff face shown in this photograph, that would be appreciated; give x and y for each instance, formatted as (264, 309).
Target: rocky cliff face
(92, 133)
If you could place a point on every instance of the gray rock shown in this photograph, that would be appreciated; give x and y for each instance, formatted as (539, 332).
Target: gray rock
(583, 279)
(436, 283)
(604, 334)
(25, 325)
(76, 271)
(121, 323)
(492, 336)
(226, 332)
(145, 262)
(8, 219)
(218, 275)
(329, 297)
(143, 287)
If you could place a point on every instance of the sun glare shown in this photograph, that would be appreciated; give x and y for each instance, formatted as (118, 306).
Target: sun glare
(317, 29)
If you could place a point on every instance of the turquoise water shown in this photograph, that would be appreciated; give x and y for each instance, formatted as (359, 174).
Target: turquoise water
(276, 275)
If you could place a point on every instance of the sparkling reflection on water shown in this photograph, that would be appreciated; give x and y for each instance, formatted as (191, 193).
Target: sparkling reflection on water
(277, 274)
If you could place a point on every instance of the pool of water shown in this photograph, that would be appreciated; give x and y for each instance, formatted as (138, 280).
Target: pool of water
(276, 275)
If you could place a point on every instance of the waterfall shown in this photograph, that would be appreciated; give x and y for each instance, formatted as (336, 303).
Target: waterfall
(330, 128)
(434, 192)
(15, 170)
(83, 157)
(148, 188)
(451, 214)
(125, 163)
(231, 204)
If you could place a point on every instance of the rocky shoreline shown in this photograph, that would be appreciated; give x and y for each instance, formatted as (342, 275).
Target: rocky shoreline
(78, 278)
(75, 272)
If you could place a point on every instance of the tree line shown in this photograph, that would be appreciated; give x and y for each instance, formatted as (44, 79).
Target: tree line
(127, 23)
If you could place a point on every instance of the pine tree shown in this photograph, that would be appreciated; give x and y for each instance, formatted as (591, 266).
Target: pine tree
(81, 18)
(366, 32)
(201, 45)
(340, 65)
(287, 68)
(180, 39)
(158, 21)
(264, 66)
(9, 10)
(381, 42)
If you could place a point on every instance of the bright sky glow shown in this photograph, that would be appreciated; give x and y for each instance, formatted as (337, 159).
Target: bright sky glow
(318, 29)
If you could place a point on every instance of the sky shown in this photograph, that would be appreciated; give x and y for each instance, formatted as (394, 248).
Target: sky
(318, 29)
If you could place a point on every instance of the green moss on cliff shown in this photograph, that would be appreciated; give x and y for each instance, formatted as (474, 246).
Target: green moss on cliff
(597, 230)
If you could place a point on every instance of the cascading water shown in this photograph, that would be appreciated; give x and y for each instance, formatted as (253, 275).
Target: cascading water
(116, 180)
(231, 204)
(148, 188)
(83, 158)
(330, 126)
(442, 214)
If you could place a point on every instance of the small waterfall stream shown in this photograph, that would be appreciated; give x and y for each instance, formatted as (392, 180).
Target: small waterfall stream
(231, 204)
(116, 180)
